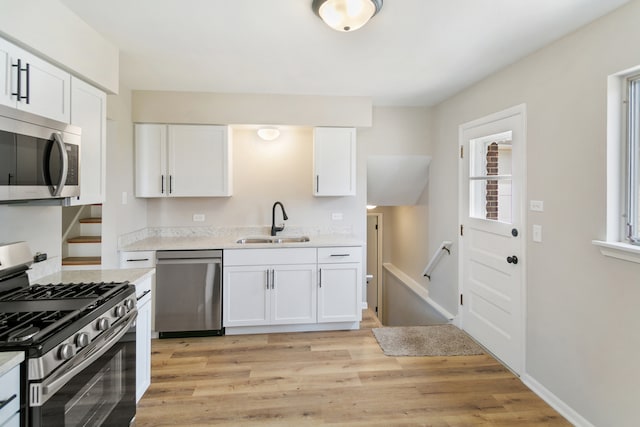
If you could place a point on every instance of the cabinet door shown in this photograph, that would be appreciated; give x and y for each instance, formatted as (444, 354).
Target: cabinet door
(198, 161)
(151, 160)
(49, 89)
(293, 294)
(339, 293)
(89, 112)
(246, 296)
(143, 348)
(334, 161)
(7, 74)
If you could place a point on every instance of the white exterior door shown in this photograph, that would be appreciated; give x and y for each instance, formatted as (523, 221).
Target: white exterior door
(492, 241)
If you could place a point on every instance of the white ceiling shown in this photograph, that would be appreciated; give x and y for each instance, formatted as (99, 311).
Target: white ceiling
(414, 52)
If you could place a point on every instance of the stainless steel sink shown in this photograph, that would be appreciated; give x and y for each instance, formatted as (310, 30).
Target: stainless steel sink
(254, 240)
(284, 239)
(300, 239)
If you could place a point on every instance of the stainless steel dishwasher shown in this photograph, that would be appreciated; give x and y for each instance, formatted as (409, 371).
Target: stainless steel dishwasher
(189, 293)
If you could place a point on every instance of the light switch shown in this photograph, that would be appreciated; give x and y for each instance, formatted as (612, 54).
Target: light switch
(198, 217)
(537, 233)
(124, 197)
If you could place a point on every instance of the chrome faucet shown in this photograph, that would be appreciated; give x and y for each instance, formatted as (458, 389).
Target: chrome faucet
(275, 229)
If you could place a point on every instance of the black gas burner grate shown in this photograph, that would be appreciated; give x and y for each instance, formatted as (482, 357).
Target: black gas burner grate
(62, 291)
(21, 327)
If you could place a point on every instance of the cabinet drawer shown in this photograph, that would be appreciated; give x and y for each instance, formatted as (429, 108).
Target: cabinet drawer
(10, 395)
(269, 256)
(138, 259)
(340, 254)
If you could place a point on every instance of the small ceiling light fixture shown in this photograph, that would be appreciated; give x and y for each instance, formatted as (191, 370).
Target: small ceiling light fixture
(346, 15)
(268, 134)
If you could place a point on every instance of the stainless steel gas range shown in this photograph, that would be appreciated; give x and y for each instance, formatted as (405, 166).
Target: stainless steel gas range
(79, 345)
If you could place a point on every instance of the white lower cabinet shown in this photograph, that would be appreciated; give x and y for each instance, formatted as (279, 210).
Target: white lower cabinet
(270, 295)
(143, 342)
(340, 284)
(289, 287)
(144, 323)
(10, 397)
(280, 292)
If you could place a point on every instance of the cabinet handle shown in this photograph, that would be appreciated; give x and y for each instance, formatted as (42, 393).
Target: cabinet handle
(268, 276)
(137, 259)
(6, 402)
(339, 255)
(170, 184)
(317, 183)
(18, 79)
(320, 277)
(273, 279)
(161, 184)
(28, 84)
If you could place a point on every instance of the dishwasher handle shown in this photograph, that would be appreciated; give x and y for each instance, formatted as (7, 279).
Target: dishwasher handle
(160, 261)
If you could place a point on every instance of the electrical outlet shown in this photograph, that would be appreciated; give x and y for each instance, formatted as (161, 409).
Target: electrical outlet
(124, 197)
(336, 216)
(198, 217)
(536, 205)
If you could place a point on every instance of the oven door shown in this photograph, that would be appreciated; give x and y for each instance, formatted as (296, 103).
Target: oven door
(100, 394)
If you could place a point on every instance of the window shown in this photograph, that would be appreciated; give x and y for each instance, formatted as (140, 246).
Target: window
(623, 167)
(633, 160)
(490, 178)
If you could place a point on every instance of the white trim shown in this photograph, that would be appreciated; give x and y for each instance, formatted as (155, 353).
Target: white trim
(311, 327)
(620, 250)
(417, 289)
(556, 403)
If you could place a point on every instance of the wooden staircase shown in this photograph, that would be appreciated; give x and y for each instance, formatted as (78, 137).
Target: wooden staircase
(83, 252)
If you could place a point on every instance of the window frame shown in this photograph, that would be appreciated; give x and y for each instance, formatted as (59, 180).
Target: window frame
(632, 150)
(616, 244)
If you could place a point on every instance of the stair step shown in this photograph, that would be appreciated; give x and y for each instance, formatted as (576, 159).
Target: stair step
(91, 221)
(85, 239)
(83, 260)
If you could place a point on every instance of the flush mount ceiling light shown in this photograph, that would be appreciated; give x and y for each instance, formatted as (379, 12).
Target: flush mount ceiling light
(268, 134)
(346, 15)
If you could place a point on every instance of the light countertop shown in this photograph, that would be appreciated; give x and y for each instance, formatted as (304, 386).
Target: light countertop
(130, 275)
(229, 242)
(10, 359)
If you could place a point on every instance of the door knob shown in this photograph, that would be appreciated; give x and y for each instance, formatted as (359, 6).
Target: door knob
(512, 259)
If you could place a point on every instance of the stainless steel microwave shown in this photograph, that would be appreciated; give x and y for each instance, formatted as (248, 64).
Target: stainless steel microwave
(39, 158)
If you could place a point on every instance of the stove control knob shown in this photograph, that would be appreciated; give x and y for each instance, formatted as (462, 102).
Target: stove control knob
(129, 304)
(102, 324)
(119, 311)
(82, 339)
(65, 351)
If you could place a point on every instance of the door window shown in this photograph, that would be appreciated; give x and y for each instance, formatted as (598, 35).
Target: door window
(490, 178)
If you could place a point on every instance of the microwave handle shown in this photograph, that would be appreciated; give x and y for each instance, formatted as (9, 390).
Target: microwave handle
(64, 161)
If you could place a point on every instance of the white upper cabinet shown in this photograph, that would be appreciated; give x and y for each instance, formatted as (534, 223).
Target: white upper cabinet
(151, 160)
(182, 161)
(89, 112)
(334, 162)
(32, 84)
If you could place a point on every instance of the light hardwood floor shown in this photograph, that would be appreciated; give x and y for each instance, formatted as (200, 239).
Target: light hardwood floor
(338, 378)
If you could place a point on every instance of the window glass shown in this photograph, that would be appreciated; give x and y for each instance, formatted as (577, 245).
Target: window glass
(633, 160)
(490, 178)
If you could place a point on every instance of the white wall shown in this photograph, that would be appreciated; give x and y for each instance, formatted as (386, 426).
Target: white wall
(117, 217)
(582, 324)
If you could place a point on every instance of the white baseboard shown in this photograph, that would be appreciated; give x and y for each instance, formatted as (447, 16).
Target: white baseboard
(556, 403)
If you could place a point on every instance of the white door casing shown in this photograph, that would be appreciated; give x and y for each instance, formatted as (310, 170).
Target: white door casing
(492, 234)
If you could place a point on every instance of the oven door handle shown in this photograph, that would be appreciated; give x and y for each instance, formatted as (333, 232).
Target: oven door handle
(87, 356)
